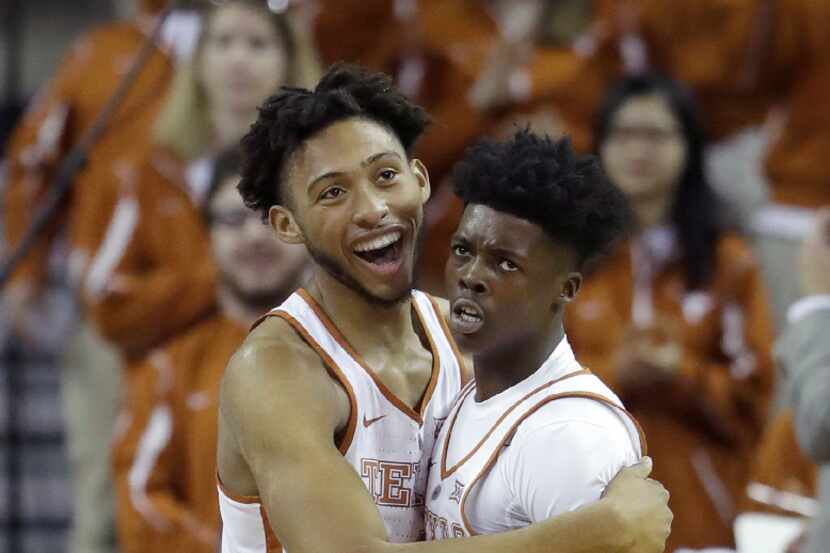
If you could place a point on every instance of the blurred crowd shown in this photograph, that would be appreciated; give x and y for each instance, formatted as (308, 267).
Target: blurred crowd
(711, 115)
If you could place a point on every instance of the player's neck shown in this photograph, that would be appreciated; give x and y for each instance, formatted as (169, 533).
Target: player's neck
(498, 370)
(363, 323)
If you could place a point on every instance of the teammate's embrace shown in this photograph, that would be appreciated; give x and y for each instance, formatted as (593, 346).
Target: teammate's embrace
(534, 434)
(328, 408)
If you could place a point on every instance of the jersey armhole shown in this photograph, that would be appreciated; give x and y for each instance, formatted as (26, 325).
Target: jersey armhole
(334, 371)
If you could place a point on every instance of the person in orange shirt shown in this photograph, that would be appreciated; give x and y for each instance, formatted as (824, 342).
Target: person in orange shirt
(155, 259)
(62, 111)
(676, 321)
(65, 108)
(796, 159)
(167, 482)
(154, 276)
(545, 51)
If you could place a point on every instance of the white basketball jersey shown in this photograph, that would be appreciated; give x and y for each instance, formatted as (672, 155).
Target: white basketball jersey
(469, 445)
(387, 442)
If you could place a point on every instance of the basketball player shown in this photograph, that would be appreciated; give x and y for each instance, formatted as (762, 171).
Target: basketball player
(534, 434)
(340, 390)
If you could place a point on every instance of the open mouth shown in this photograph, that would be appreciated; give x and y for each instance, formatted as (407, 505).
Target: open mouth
(382, 253)
(466, 317)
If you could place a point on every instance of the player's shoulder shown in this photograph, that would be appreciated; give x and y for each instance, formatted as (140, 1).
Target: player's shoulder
(575, 415)
(273, 356)
(588, 430)
(273, 346)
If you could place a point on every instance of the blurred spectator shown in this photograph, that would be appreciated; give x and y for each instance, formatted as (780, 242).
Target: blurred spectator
(171, 476)
(155, 254)
(63, 110)
(721, 51)
(804, 353)
(676, 320)
(552, 58)
(718, 50)
(154, 276)
(796, 162)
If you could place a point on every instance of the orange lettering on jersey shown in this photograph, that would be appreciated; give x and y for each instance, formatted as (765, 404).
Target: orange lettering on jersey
(395, 492)
(439, 528)
(390, 483)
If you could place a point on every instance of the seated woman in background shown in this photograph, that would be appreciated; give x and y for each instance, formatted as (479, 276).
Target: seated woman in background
(676, 320)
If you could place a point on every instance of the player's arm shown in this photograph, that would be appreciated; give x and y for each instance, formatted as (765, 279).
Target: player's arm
(284, 411)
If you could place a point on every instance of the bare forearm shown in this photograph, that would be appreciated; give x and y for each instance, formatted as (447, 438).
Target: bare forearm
(593, 529)
(586, 531)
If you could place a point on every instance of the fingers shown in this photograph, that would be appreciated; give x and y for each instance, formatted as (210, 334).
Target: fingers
(641, 469)
(659, 485)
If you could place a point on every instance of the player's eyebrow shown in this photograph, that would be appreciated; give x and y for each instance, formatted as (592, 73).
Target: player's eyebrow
(368, 161)
(507, 252)
(373, 158)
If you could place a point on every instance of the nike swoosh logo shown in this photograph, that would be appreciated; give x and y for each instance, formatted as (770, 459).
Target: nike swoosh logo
(369, 422)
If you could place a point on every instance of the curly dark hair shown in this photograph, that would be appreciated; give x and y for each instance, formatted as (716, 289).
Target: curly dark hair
(542, 180)
(294, 115)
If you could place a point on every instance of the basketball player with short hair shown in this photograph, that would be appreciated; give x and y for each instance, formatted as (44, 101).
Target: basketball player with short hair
(534, 434)
(341, 389)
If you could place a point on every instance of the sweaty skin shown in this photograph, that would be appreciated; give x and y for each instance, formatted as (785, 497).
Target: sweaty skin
(281, 413)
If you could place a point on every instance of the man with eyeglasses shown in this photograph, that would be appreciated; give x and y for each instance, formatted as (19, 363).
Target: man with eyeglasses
(166, 463)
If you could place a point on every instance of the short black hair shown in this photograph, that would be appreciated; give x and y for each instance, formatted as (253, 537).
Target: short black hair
(294, 115)
(542, 180)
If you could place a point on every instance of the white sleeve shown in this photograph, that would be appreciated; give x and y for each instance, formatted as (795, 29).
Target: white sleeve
(563, 465)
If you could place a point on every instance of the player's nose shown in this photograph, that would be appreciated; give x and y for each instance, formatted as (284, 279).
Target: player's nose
(471, 278)
(370, 211)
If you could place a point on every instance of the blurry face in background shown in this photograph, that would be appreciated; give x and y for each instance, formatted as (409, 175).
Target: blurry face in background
(252, 263)
(518, 20)
(644, 153)
(242, 60)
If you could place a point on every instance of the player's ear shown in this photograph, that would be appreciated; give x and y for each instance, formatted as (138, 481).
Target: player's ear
(570, 287)
(285, 225)
(422, 175)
